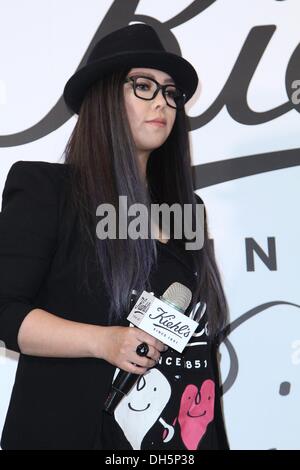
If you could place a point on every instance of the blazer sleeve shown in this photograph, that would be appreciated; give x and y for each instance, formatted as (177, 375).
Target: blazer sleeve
(28, 228)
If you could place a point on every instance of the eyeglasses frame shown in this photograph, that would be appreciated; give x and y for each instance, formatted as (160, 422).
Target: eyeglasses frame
(158, 88)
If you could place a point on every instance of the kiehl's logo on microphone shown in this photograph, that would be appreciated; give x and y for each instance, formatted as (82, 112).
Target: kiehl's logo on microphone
(162, 320)
(167, 321)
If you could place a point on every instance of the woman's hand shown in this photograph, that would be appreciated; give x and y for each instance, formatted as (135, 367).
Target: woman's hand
(117, 345)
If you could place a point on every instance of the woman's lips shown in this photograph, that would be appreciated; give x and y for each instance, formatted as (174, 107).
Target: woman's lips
(157, 123)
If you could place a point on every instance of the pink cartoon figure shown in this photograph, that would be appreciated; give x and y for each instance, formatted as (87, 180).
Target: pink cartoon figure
(196, 412)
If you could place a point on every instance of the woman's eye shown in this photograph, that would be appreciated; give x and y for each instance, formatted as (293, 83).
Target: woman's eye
(171, 93)
(142, 86)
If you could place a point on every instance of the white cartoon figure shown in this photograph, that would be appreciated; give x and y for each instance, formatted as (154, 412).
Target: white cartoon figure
(137, 412)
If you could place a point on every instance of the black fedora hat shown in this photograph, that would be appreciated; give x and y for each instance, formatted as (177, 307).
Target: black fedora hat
(136, 45)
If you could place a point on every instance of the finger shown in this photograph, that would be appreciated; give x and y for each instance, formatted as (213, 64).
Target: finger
(159, 346)
(155, 362)
(145, 362)
(153, 354)
(134, 368)
(151, 341)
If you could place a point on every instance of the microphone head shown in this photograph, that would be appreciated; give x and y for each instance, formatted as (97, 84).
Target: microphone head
(178, 295)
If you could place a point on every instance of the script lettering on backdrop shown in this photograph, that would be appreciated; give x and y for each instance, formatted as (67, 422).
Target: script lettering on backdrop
(233, 96)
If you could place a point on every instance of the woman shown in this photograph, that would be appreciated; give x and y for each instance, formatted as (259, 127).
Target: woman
(65, 293)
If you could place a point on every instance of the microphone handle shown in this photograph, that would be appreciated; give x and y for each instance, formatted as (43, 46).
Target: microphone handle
(124, 381)
(120, 387)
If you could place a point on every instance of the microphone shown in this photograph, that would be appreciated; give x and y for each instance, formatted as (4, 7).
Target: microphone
(178, 297)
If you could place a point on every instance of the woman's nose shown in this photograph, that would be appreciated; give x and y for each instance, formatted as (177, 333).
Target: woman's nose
(160, 99)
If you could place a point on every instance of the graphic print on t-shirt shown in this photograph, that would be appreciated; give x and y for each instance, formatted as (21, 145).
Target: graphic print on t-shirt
(172, 404)
(143, 406)
(196, 412)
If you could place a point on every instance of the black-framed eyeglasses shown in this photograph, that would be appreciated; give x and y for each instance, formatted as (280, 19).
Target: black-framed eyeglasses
(147, 88)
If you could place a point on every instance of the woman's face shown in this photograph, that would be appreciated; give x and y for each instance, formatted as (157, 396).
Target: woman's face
(148, 135)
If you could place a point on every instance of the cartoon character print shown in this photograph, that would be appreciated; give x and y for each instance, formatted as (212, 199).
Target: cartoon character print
(136, 416)
(142, 406)
(196, 412)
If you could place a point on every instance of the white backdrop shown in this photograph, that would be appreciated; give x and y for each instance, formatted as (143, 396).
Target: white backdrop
(245, 143)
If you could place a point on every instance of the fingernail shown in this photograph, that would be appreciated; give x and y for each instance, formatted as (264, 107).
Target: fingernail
(166, 347)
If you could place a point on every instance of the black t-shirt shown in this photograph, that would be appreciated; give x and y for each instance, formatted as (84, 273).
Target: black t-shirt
(172, 406)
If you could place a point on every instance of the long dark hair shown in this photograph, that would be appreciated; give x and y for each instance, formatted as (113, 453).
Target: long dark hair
(102, 159)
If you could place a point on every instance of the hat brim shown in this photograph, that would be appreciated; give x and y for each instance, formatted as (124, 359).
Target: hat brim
(182, 72)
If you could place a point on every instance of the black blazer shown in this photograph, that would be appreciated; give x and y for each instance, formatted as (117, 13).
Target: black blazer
(56, 403)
